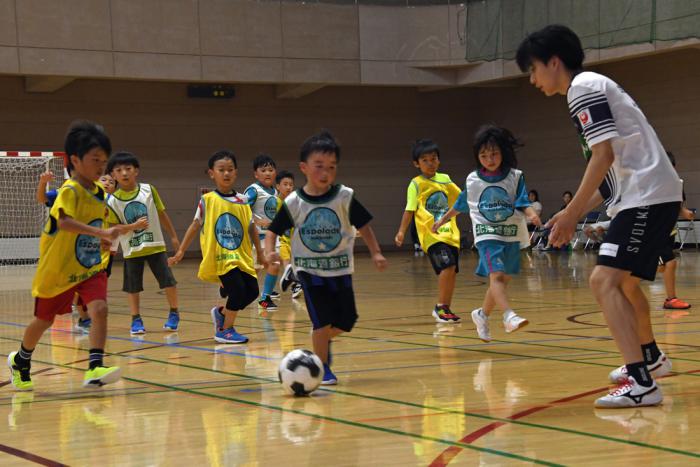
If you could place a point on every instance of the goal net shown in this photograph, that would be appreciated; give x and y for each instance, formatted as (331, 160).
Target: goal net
(22, 219)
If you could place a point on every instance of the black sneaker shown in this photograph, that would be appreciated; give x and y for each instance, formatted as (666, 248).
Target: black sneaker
(288, 278)
(296, 290)
(274, 294)
(267, 304)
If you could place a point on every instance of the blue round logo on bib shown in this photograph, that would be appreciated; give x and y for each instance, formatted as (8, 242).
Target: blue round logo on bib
(495, 204)
(229, 231)
(320, 231)
(134, 211)
(436, 204)
(87, 247)
(271, 207)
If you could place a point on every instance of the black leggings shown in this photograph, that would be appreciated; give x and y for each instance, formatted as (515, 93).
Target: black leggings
(239, 288)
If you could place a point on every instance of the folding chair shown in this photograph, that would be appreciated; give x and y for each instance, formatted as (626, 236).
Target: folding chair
(688, 228)
(591, 218)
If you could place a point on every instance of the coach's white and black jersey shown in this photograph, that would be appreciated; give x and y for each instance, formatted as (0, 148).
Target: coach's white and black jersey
(641, 174)
(324, 230)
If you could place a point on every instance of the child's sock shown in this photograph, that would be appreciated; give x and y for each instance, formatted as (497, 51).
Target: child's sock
(174, 310)
(268, 285)
(23, 358)
(135, 317)
(651, 352)
(507, 313)
(96, 358)
(640, 373)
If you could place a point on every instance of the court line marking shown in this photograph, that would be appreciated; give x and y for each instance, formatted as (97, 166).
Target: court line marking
(421, 406)
(28, 456)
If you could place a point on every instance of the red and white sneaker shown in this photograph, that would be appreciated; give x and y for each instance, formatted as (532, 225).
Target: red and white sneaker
(675, 303)
(661, 367)
(631, 394)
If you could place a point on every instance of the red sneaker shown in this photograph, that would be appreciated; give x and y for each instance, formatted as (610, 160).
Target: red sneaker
(675, 304)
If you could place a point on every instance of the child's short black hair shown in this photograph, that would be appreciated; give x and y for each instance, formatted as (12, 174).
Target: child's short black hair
(122, 158)
(282, 174)
(537, 195)
(491, 135)
(424, 146)
(322, 142)
(263, 160)
(567, 192)
(549, 41)
(220, 155)
(83, 136)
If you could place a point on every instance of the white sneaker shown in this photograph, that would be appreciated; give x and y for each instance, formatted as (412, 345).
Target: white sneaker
(661, 367)
(631, 394)
(512, 322)
(482, 324)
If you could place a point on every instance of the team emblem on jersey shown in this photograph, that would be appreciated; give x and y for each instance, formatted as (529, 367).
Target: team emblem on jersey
(437, 205)
(134, 211)
(585, 118)
(271, 207)
(229, 231)
(87, 247)
(495, 204)
(320, 231)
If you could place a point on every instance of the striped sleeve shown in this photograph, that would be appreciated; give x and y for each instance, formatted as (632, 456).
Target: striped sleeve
(591, 113)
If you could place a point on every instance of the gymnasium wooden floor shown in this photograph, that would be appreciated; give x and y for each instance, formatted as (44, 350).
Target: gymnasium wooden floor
(410, 392)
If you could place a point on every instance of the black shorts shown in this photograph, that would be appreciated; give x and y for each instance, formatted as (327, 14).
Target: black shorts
(667, 254)
(443, 256)
(329, 300)
(239, 289)
(133, 272)
(109, 265)
(637, 237)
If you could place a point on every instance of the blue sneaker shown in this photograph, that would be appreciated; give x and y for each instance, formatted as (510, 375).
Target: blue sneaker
(137, 327)
(83, 325)
(217, 317)
(229, 336)
(328, 376)
(172, 322)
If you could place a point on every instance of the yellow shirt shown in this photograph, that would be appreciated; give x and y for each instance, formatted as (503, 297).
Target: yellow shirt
(431, 198)
(224, 237)
(67, 258)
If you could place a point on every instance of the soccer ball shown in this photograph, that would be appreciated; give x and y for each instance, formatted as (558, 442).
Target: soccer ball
(300, 372)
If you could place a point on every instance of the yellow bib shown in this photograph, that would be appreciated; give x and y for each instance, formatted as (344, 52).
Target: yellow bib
(435, 198)
(67, 258)
(224, 238)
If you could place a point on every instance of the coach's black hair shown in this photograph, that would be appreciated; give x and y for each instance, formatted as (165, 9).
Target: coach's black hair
(424, 146)
(122, 158)
(491, 135)
(263, 160)
(322, 142)
(220, 155)
(83, 136)
(282, 174)
(550, 41)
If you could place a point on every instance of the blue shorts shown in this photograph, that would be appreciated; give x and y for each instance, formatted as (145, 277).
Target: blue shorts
(498, 256)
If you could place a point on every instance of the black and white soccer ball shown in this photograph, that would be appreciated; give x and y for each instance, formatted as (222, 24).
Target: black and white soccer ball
(300, 372)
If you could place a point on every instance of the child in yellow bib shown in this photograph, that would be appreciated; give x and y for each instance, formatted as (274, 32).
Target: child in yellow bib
(71, 259)
(227, 237)
(428, 198)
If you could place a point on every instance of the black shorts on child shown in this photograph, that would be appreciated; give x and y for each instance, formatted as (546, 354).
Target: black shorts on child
(133, 272)
(329, 300)
(443, 256)
(239, 289)
(637, 237)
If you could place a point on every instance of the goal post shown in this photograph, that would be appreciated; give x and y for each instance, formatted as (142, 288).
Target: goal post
(22, 219)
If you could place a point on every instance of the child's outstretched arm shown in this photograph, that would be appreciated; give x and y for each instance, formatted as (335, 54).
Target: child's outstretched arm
(271, 256)
(374, 250)
(192, 230)
(44, 180)
(444, 219)
(140, 224)
(67, 223)
(405, 222)
(168, 226)
(532, 216)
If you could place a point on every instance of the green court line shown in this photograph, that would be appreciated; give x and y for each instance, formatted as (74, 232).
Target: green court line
(419, 406)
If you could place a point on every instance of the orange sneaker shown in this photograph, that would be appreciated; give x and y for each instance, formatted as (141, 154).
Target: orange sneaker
(675, 304)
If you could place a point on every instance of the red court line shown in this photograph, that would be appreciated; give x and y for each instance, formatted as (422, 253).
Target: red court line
(450, 453)
(30, 457)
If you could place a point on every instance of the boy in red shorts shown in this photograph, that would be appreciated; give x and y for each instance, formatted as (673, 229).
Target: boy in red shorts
(71, 259)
